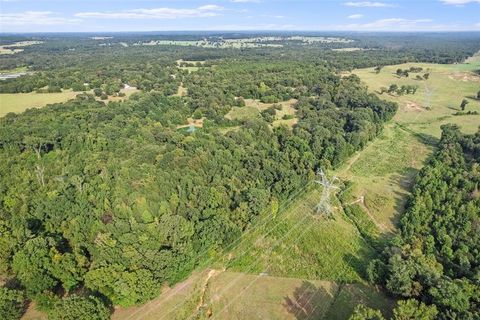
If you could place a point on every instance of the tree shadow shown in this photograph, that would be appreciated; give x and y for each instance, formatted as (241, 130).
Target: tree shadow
(13, 283)
(426, 139)
(305, 301)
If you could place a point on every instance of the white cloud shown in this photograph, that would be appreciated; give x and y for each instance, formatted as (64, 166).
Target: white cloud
(205, 11)
(355, 16)
(392, 24)
(368, 4)
(245, 1)
(459, 2)
(275, 16)
(211, 7)
(33, 18)
(254, 27)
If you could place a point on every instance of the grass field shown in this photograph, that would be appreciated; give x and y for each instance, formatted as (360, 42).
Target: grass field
(14, 47)
(285, 298)
(384, 171)
(203, 296)
(442, 93)
(19, 102)
(303, 244)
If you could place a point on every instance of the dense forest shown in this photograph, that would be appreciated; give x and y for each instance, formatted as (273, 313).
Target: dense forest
(436, 259)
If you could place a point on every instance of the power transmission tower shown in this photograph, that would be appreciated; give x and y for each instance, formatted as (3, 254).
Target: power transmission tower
(427, 97)
(324, 206)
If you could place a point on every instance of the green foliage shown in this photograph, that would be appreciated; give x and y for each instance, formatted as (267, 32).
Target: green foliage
(362, 312)
(77, 307)
(405, 310)
(414, 310)
(11, 303)
(123, 287)
(436, 256)
(40, 265)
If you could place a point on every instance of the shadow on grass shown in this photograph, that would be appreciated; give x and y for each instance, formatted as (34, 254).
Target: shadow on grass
(306, 300)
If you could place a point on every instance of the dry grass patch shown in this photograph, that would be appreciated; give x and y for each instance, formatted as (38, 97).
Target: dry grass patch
(19, 102)
(465, 76)
(233, 295)
(13, 48)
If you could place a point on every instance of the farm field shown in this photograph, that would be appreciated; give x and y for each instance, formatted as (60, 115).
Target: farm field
(19, 102)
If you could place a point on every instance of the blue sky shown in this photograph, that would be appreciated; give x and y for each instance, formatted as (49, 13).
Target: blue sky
(141, 15)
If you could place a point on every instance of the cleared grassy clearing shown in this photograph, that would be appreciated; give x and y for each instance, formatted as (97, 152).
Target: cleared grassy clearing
(190, 65)
(182, 91)
(243, 113)
(300, 243)
(19, 102)
(253, 107)
(383, 172)
(127, 91)
(266, 297)
(203, 296)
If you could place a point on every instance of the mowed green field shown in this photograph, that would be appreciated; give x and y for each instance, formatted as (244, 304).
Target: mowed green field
(19, 102)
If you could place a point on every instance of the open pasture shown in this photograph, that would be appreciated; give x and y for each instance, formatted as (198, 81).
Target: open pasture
(19, 102)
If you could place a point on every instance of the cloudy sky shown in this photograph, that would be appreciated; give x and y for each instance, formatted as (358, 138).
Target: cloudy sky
(141, 15)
